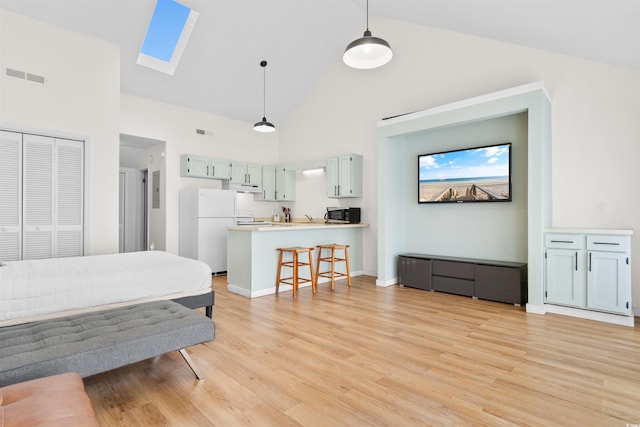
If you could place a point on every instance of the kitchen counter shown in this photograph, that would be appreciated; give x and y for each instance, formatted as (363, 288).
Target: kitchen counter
(253, 258)
(280, 226)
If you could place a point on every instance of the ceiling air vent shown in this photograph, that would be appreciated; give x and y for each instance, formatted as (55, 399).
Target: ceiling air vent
(23, 75)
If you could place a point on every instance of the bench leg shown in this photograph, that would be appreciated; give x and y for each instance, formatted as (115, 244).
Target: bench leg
(208, 311)
(192, 365)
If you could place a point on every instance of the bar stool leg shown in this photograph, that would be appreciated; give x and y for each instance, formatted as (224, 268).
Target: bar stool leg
(279, 271)
(295, 274)
(315, 282)
(333, 268)
(346, 258)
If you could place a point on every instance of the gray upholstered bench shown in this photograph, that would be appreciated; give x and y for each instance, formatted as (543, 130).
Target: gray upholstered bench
(97, 342)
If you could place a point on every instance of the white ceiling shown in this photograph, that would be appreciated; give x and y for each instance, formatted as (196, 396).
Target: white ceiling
(219, 71)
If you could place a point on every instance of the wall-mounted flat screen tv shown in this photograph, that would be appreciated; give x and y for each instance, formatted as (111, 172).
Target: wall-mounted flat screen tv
(478, 174)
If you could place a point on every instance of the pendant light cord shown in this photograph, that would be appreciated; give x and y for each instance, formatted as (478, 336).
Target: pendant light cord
(367, 15)
(264, 88)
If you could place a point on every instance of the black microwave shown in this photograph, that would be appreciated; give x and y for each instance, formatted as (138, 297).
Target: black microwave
(343, 215)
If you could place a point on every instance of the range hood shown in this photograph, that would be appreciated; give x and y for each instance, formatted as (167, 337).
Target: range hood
(241, 188)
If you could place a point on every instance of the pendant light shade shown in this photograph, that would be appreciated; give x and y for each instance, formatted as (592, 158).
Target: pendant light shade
(264, 125)
(367, 52)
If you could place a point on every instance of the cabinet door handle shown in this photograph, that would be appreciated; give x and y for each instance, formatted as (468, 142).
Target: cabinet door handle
(606, 243)
(207, 170)
(589, 261)
(576, 260)
(562, 241)
(213, 170)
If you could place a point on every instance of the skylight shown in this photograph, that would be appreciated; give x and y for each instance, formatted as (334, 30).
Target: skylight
(167, 36)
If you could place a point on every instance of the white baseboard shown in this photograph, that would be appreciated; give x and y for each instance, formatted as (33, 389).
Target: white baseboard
(388, 282)
(283, 288)
(616, 319)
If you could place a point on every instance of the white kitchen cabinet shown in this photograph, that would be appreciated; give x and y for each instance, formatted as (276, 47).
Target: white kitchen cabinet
(203, 167)
(608, 274)
(268, 183)
(344, 176)
(285, 184)
(246, 174)
(219, 169)
(589, 270)
(195, 166)
(565, 278)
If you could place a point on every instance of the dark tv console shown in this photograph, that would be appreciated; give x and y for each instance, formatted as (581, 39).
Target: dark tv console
(500, 281)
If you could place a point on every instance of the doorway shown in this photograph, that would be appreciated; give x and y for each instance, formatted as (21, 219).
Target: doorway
(139, 228)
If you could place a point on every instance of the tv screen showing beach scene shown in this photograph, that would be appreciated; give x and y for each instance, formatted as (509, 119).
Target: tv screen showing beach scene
(479, 174)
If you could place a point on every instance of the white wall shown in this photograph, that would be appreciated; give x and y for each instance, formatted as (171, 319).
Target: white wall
(595, 110)
(177, 126)
(81, 98)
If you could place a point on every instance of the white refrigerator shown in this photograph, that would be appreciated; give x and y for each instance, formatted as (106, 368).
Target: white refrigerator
(205, 214)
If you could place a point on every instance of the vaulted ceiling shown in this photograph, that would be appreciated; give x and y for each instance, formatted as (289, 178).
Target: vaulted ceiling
(219, 71)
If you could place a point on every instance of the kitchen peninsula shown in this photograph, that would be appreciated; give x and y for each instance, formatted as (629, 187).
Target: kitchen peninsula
(253, 258)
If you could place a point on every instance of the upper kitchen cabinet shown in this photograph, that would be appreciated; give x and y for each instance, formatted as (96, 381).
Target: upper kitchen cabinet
(268, 184)
(246, 174)
(220, 169)
(344, 176)
(195, 166)
(285, 184)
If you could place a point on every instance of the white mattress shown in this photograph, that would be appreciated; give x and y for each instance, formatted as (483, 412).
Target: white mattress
(33, 288)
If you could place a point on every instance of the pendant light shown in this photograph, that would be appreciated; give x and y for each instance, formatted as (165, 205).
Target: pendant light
(367, 52)
(264, 125)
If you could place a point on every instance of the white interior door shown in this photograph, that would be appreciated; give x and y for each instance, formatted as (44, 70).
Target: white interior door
(69, 191)
(10, 196)
(37, 208)
(132, 223)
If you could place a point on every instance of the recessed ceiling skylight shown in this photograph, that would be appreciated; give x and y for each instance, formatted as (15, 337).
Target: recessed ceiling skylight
(167, 36)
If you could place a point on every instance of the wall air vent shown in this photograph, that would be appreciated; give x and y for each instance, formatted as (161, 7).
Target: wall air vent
(23, 75)
(204, 132)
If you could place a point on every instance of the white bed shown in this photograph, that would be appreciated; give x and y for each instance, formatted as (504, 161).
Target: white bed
(39, 289)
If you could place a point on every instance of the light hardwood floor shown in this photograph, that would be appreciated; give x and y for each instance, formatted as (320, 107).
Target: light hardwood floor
(382, 356)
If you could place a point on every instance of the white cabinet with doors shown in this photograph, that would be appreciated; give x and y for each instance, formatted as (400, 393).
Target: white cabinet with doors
(589, 270)
(268, 183)
(203, 167)
(195, 166)
(344, 176)
(220, 169)
(285, 184)
(42, 192)
(565, 272)
(609, 273)
(246, 174)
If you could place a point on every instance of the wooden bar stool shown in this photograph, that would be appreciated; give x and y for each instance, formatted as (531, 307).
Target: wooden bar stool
(294, 264)
(333, 274)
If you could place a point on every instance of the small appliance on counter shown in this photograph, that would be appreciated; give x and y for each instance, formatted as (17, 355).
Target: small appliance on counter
(342, 216)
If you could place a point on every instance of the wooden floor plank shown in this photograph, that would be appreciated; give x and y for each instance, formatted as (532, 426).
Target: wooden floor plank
(370, 355)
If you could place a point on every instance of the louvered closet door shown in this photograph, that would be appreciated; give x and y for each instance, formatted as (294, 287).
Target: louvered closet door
(69, 198)
(10, 195)
(37, 205)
